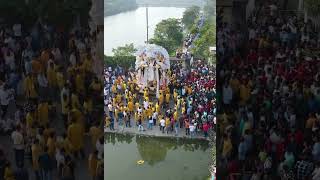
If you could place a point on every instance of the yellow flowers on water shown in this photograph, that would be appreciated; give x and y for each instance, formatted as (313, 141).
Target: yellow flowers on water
(140, 162)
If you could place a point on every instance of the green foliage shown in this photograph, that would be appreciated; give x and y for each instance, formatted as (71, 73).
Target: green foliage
(168, 34)
(123, 61)
(113, 7)
(207, 38)
(127, 50)
(313, 6)
(189, 16)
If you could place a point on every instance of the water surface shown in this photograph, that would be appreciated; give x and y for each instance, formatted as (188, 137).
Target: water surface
(164, 158)
(130, 27)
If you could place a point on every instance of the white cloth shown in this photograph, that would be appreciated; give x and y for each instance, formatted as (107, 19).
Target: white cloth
(43, 82)
(18, 141)
(100, 149)
(17, 30)
(227, 95)
(162, 122)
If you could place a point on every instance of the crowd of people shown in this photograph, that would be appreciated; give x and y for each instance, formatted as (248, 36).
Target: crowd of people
(187, 102)
(48, 95)
(269, 117)
(178, 106)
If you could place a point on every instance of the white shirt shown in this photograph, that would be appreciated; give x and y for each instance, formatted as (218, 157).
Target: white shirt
(162, 122)
(100, 149)
(227, 94)
(73, 60)
(42, 80)
(17, 140)
(59, 158)
(192, 128)
(17, 30)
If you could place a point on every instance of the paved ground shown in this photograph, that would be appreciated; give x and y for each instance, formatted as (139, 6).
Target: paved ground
(81, 169)
(154, 132)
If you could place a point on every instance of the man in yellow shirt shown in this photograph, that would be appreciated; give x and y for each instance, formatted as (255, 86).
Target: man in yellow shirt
(43, 112)
(75, 134)
(95, 133)
(36, 150)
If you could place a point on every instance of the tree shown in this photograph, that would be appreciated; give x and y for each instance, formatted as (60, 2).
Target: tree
(189, 16)
(168, 34)
(207, 38)
(127, 50)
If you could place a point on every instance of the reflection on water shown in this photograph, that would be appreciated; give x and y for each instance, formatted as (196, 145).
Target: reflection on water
(177, 158)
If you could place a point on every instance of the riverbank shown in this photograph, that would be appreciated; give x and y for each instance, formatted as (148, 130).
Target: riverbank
(154, 132)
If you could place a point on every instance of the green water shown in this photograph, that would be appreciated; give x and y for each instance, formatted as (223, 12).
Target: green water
(164, 158)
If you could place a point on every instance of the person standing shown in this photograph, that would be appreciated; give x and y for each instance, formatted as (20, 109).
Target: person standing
(4, 100)
(18, 143)
(45, 163)
(150, 123)
(162, 124)
(35, 153)
(192, 130)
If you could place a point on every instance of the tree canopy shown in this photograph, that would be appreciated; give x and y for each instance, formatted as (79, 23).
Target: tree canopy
(126, 50)
(168, 34)
(189, 16)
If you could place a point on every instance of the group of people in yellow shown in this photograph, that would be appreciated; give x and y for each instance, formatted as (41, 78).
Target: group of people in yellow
(128, 102)
(56, 91)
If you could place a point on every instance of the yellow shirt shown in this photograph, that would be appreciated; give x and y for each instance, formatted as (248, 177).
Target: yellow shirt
(95, 134)
(60, 79)
(29, 120)
(167, 122)
(8, 174)
(29, 87)
(87, 65)
(51, 147)
(80, 83)
(87, 105)
(52, 77)
(36, 151)
(167, 98)
(43, 113)
(130, 106)
(244, 94)
(175, 95)
(76, 135)
(75, 101)
(227, 147)
(157, 108)
(93, 162)
(175, 115)
(64, 106)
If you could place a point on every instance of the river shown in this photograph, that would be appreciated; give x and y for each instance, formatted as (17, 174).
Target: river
(130, 27)
(164, 158)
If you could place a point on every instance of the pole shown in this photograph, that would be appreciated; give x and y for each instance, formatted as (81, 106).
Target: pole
(147, 24)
